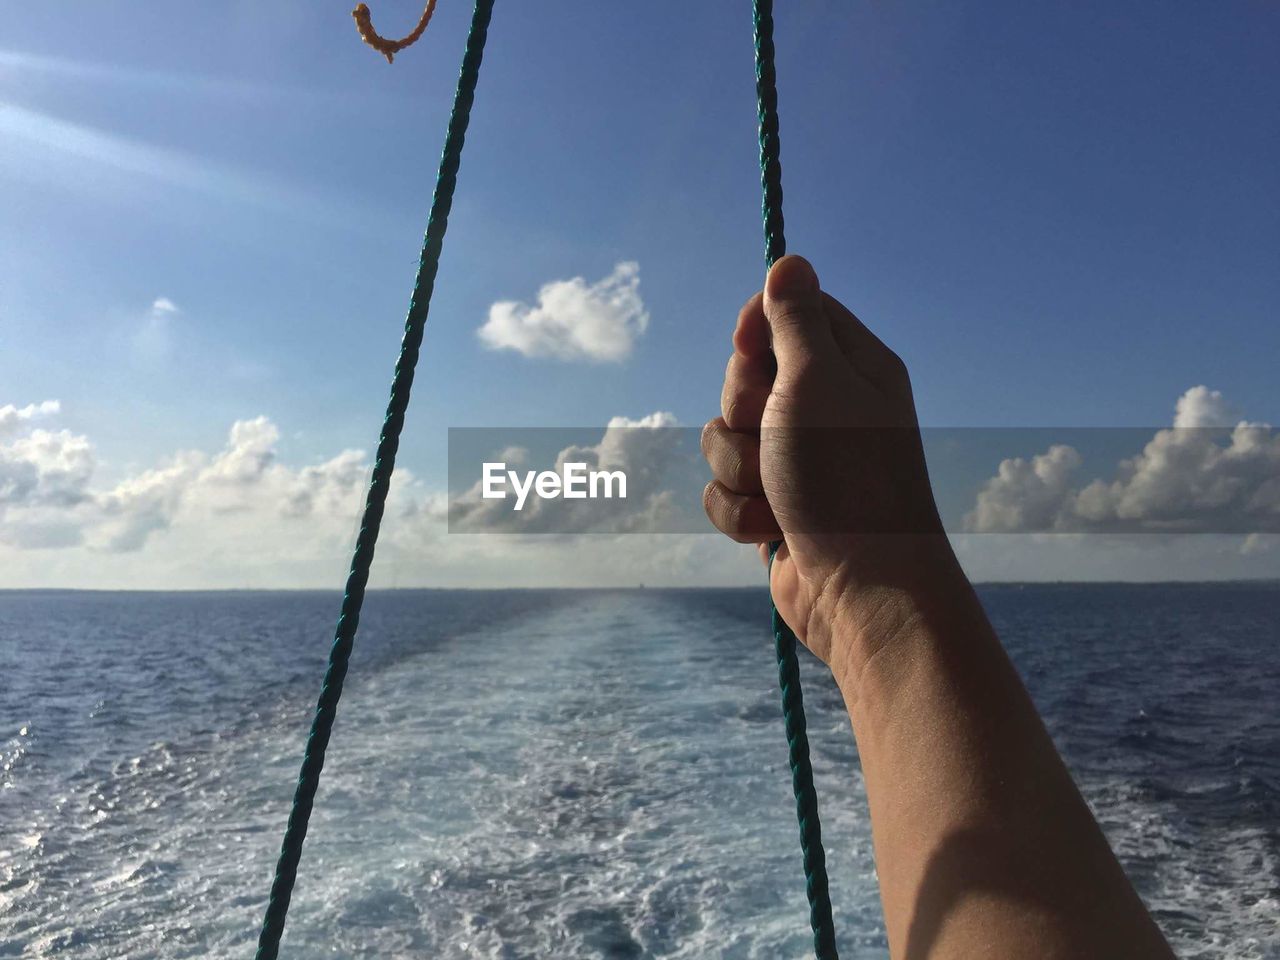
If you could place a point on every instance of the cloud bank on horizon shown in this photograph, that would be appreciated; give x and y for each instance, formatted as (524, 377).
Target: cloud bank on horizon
(238, 516)
(1209, 472)
(49, 499)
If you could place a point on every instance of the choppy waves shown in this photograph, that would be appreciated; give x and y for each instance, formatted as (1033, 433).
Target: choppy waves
(566, 774)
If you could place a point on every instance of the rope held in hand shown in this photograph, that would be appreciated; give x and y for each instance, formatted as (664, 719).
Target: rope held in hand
(379, 485)
(784, 640)
(388, 443)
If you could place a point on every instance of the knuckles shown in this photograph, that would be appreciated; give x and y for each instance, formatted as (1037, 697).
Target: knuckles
(741, 518)
(746, 391)
(734, 457)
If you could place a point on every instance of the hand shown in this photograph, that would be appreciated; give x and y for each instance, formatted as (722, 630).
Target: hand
(983, 845)
(818, 446)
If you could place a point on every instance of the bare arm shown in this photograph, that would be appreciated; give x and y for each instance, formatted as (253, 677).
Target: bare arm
(984, 847)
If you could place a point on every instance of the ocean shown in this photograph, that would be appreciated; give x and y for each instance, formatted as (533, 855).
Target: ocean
(578, 774)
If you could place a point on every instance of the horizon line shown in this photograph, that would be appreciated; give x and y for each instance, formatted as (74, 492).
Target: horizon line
(1236, 581)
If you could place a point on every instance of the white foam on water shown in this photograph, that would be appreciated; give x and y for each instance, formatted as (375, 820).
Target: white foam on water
(604, 779)
(1219, 883)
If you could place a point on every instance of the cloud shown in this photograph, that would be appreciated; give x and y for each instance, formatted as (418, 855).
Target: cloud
(44, 478)
(236, 515)
(1198, 476)
(514, 456)
(1201, 407)
(573, 320)
(11, 417)
(45, 468)
(153, 341)
(642, 449)
(239, 517)
(126, 516)
(48, 499)
(1025, 494)
(1256, 544)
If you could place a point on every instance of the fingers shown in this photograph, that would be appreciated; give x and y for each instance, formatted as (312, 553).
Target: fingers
(749, 376)
(734, 457)
(751, 335)
(735, 501)
(793, 306)
(747, 519)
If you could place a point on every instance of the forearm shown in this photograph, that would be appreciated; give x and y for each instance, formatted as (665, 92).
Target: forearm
(984, 845)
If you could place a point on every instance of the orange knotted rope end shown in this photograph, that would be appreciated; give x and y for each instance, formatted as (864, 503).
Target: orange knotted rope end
(389, 48)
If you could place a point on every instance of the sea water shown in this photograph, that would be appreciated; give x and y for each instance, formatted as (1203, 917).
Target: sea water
(525, 774)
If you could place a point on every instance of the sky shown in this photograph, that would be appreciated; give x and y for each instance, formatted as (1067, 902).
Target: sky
(1058, 216)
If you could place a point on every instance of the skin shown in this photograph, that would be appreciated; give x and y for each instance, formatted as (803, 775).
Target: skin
(984, 846)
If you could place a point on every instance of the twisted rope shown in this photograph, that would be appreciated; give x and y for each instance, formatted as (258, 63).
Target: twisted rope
(389, 48)
(784, 640)
(379, 485)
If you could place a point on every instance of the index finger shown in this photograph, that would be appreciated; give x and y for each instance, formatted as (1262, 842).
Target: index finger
(751, 334)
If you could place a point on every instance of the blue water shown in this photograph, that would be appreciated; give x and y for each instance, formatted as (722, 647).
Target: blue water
(573, 774)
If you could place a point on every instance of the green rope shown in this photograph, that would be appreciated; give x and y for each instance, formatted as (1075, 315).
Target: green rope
(384, 465)
(784, 640)
(379, 485)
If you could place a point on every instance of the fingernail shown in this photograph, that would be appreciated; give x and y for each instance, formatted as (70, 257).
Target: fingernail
(791, 277)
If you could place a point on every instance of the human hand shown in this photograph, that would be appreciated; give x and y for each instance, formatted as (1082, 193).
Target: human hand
(818, 446)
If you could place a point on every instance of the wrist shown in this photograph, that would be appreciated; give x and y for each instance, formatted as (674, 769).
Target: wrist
(896, 600)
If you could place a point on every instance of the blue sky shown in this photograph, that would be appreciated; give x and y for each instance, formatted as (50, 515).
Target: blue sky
(1057, 216)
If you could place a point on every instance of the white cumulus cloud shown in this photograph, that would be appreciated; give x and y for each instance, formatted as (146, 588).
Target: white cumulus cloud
(1201, 475)
(1025, 494)
(44, 487)
(237, 516)
(49, 498)
(1202, 407)
(11, 417)
(573, 319)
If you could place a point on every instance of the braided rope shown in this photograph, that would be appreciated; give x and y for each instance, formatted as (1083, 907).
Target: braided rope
(784, 640)
(379, 485)
(389, 48)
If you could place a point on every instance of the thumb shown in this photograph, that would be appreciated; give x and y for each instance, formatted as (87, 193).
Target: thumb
(798, 325)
